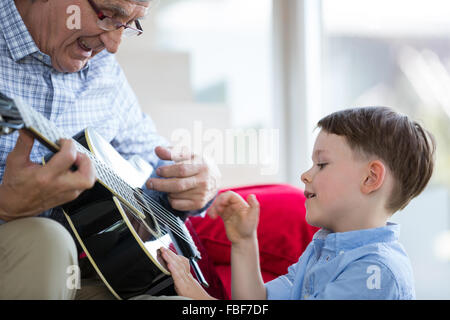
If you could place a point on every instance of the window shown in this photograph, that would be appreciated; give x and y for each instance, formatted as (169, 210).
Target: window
(230, 52)
(393, 53)
(397, 54)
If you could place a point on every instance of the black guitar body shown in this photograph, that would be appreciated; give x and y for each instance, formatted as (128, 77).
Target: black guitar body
(97, 219)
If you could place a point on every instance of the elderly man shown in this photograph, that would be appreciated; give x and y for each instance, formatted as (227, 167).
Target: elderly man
(64, 72)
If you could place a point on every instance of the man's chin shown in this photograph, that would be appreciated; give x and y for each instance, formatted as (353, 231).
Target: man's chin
(71, 64)
(70, 67)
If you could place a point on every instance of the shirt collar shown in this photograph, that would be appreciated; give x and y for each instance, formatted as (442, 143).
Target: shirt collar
(338, 241)
(17, 37)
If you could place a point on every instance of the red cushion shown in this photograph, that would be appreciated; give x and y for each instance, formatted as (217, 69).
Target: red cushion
(283, 232)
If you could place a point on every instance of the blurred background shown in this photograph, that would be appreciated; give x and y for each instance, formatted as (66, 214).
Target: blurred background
(247, 80)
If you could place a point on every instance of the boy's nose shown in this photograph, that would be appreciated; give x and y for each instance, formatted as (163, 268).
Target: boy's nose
(305, 177)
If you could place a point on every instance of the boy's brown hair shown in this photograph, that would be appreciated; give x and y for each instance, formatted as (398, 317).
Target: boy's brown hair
(402, 144)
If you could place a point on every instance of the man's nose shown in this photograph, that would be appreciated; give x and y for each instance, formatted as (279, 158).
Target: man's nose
(112, 39)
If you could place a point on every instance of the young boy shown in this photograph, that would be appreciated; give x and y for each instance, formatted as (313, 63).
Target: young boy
(368, 163)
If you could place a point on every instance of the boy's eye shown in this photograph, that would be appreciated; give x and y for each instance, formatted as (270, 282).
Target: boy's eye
(321, 165)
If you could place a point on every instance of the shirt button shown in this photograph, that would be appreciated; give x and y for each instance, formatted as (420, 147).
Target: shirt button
(341, 252)
(306, 296)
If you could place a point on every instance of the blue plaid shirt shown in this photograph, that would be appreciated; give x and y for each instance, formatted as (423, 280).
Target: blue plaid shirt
(98, 96)
(362, 264)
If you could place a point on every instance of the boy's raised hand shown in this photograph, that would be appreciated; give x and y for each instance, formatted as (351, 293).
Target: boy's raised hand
(240, 217)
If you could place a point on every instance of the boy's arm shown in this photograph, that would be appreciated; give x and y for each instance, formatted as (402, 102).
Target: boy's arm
(241, 220)
(246, 278)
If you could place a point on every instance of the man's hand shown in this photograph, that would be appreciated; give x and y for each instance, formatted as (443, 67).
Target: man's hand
(184, 283)
(240, 218)
(28, 189)
(190, 182)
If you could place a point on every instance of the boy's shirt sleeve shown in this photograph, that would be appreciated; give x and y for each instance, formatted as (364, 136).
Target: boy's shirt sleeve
(282, 288)
(362, 279)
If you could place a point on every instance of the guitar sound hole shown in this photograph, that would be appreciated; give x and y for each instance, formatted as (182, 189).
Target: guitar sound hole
(149, 215)
(149, 219)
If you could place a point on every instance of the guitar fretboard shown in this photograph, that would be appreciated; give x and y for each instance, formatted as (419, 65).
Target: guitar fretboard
(51, 134)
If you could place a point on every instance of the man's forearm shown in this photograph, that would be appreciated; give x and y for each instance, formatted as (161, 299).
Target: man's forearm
(246, 278)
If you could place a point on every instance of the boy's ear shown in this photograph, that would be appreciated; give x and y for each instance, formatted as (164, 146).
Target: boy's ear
(374, 178)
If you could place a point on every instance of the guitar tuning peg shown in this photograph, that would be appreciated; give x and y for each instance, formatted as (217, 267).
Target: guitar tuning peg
(8, 128)
(5, 131)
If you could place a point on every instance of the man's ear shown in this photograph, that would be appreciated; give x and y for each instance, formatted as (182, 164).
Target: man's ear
(374, 177)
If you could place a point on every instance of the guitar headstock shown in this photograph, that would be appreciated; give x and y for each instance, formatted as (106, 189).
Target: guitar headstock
(10, 117)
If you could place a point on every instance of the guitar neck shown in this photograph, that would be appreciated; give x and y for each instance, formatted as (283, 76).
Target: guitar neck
(49, 135)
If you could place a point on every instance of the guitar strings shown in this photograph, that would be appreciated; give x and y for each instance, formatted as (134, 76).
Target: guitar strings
(162, 214)
(166, 242)
(55, 133)
(166, 217)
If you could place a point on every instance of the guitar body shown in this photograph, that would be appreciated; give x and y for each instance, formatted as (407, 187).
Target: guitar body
(121, 250)
(119, 226)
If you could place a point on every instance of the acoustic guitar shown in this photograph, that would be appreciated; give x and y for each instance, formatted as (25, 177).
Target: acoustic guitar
(118, 225)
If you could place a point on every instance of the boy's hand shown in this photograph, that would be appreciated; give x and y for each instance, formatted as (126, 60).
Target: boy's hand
(240, 218)
(185, 284)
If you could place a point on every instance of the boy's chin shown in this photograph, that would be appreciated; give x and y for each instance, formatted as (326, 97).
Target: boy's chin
(317, 221)
(312, 220)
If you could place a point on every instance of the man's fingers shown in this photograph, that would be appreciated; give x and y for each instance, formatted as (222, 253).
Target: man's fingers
(163, 153)
(85, 171)
(23, 145)
(182, 204)
(176, 154)
(77, 181)
(172, 185)
(179, 170)
(63, 159)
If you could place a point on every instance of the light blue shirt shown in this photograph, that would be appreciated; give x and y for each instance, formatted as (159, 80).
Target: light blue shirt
(362, 264)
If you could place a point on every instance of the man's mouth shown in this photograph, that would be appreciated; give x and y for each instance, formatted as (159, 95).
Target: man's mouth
(309, 195)
(83, 45)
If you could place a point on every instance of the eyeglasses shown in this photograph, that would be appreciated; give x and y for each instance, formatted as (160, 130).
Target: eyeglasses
(109, 24)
